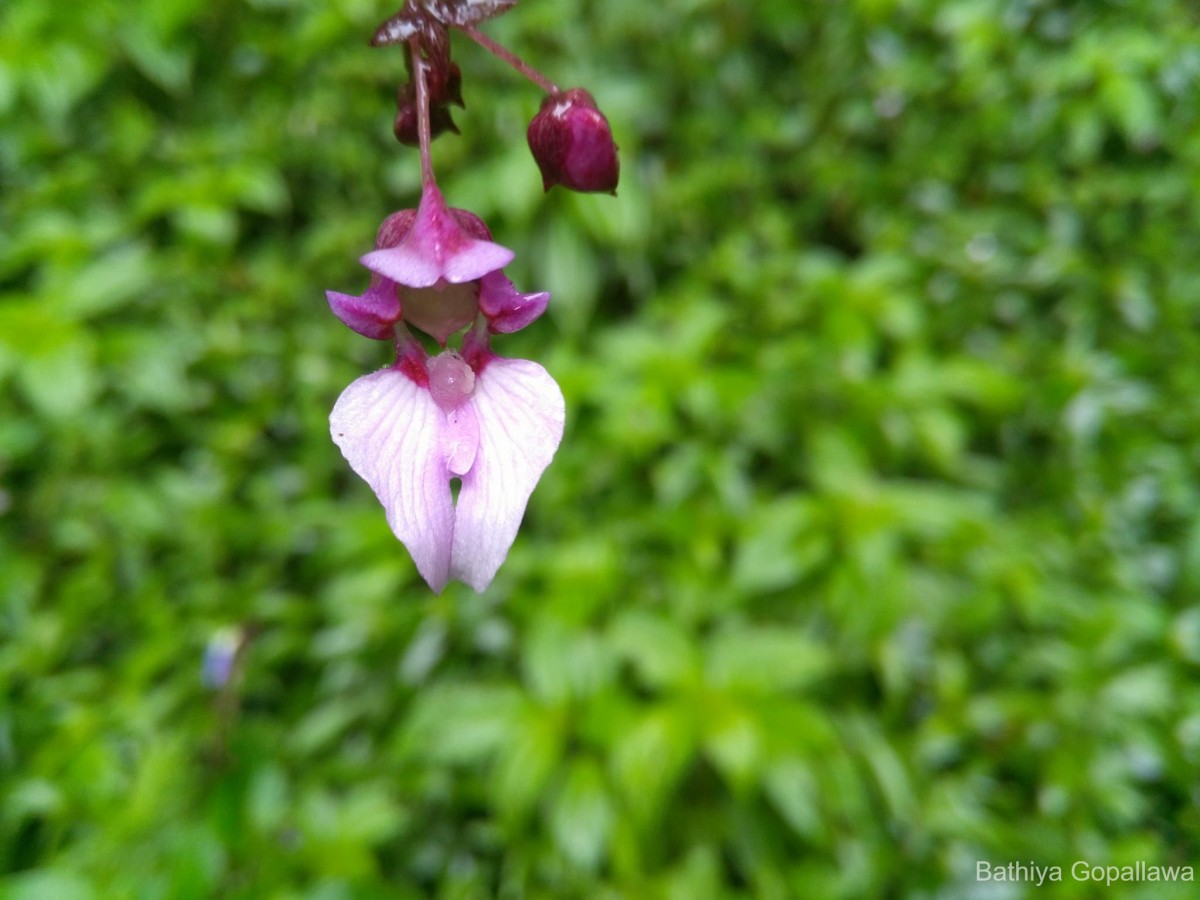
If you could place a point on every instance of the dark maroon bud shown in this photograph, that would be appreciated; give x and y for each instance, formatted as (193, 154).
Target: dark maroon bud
(440, 121)
(445, 85)
(405, 126)
(443, 77)
(573, 144)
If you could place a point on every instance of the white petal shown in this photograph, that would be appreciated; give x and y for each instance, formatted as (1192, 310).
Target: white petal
(520, 412)
(390, 431)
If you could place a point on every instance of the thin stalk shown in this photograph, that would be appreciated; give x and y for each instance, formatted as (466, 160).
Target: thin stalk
(423, 127)
(509, 57)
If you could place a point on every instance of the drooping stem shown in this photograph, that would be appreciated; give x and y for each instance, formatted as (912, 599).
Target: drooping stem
(419, 70)
(509, 57)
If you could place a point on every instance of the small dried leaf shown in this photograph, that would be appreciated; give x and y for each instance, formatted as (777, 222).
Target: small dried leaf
(467, 12)
(429, 18)
(399, 28)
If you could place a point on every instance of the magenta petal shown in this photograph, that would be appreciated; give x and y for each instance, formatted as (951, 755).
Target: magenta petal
(372, 315)
(520, 411)
(437, 248)
(419, 265)
(404, 264)
(390, 431)
(506, 308)
(475, 260)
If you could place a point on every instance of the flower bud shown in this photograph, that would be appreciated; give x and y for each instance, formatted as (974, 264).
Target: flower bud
(405, 127)
(445, 85)
(573, 145)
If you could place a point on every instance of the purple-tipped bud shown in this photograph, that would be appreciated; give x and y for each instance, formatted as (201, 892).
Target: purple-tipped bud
(573, 144)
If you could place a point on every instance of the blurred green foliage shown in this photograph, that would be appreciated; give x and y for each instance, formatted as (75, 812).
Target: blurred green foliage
(871, 550)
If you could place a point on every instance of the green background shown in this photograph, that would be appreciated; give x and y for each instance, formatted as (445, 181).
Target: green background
(871, 549)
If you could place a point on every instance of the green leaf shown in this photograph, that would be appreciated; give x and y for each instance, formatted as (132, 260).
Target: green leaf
(48, 884)
(462, 723)
(649, 759)
(60, 383)
(660, 651)
(571, 274)
(560, 662)
(791, 787)
(581, 815)
(782, 541)
(526, 762)
(167, 66)
(761, 659)
(115, 279)
(733, 741)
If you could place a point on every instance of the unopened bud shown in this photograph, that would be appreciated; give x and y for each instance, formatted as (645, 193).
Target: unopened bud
(573, 145)
(445, 85)
(405, 127)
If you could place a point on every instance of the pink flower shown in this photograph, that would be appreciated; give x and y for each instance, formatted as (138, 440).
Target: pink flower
(437, 269)
(410, 429)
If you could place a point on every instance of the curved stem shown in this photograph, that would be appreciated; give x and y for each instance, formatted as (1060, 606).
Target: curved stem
(419, 67)
(509, 57)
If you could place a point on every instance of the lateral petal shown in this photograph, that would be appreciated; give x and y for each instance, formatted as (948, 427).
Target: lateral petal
(506, 308)
(520, 412)
(391, 432)
(374, 314)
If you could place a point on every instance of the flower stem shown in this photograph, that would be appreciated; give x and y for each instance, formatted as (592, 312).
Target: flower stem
(509, 57)
(423, 129)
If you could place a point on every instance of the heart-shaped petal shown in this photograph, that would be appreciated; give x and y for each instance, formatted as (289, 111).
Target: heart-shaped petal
(391, 432)
(520, 412)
